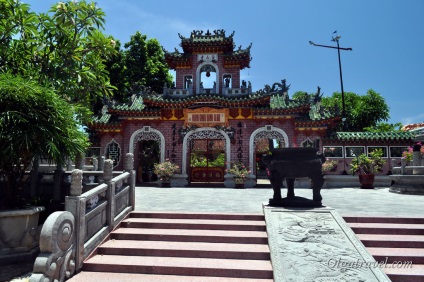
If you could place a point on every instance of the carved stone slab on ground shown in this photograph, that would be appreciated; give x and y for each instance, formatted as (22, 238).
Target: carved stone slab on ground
(317, 245)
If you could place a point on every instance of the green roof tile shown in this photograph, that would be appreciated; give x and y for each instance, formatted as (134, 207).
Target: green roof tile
(374, 135)
(136, 105)
(279, 102)
(104, 118)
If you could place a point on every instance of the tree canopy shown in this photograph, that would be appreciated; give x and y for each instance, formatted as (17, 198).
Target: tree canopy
(34, 123)
(141, 64)
(384, 127)
(64, 48)
(361, 110)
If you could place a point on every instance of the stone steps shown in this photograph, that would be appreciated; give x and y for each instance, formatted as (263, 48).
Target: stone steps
(137, 277)
(203, 224)
(185, 249)
(159, 246)
(191, 235)
(396, 242)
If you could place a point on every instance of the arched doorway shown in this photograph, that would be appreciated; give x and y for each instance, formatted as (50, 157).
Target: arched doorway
(259, 146)
(207, 160)
(148, 146)
(205, 151)
(148, 155)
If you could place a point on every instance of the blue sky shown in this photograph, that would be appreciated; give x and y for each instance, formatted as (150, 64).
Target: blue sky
(387, 38)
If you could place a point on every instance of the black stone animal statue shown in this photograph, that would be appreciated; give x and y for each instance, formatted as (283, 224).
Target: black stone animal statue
(292, 163)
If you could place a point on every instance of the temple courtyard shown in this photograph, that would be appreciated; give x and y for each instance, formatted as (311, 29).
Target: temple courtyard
(347, 201)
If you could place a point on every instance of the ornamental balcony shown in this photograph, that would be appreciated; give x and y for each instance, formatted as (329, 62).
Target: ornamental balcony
(225, 91)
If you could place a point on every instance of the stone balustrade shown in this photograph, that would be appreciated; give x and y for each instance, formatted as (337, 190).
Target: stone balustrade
(68, 237)
(409, 179)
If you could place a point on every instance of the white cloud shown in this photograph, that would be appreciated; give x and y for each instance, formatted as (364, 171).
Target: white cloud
(413, 119)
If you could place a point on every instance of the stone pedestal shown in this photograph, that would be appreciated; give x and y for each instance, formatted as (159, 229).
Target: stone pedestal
(407, 184)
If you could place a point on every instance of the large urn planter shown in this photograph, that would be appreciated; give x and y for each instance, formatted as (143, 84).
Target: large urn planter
(367, 165)
(19, 235)
(165, 184)
(367, 181)
(239, 182)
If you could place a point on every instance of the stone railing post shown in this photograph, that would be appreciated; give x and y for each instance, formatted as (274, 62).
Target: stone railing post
(101, 163)
(129, 167)
(110, 195)
(403, 163)
(76, 182)
(76, 206)
(129, 162)
(79, 161)
(108, 170)
(95, 164)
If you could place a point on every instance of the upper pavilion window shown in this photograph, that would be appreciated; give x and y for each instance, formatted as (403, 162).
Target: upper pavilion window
(208, 76)
(188, 81)
(227, 81)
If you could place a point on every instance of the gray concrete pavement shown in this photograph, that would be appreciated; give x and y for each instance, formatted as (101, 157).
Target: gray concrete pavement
(348, 201)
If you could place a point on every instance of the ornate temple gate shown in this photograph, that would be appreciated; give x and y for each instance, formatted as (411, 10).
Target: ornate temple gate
(207, 160)
(260, 148)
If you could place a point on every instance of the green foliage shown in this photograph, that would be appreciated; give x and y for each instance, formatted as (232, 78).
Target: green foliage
(385, 127)
(63, 49)
(115, 65)
(199, 160)
(367, 164)
(361, 111)
(219, 161)
(34, 123)
(143, 65)
(302, 97)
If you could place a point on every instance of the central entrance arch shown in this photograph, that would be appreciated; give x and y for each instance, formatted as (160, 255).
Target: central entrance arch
(201, 139)
(207, 160)
(258, 145)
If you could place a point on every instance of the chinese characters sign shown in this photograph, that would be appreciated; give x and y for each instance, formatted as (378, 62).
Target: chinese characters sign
(206, 117)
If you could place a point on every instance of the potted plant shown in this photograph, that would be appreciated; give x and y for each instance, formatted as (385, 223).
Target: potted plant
(329, 165)
(34, 123)
(165, 171)
(240, 172)
(367, 166)
(409, 153)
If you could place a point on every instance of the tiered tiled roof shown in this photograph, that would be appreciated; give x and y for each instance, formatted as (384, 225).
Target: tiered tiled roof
(136, 105)
(206, 42)
(270, 102)
(227, 101)
(352, 136)
(178, 60)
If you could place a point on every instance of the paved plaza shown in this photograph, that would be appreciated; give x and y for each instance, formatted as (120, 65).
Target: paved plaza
(348, 201)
